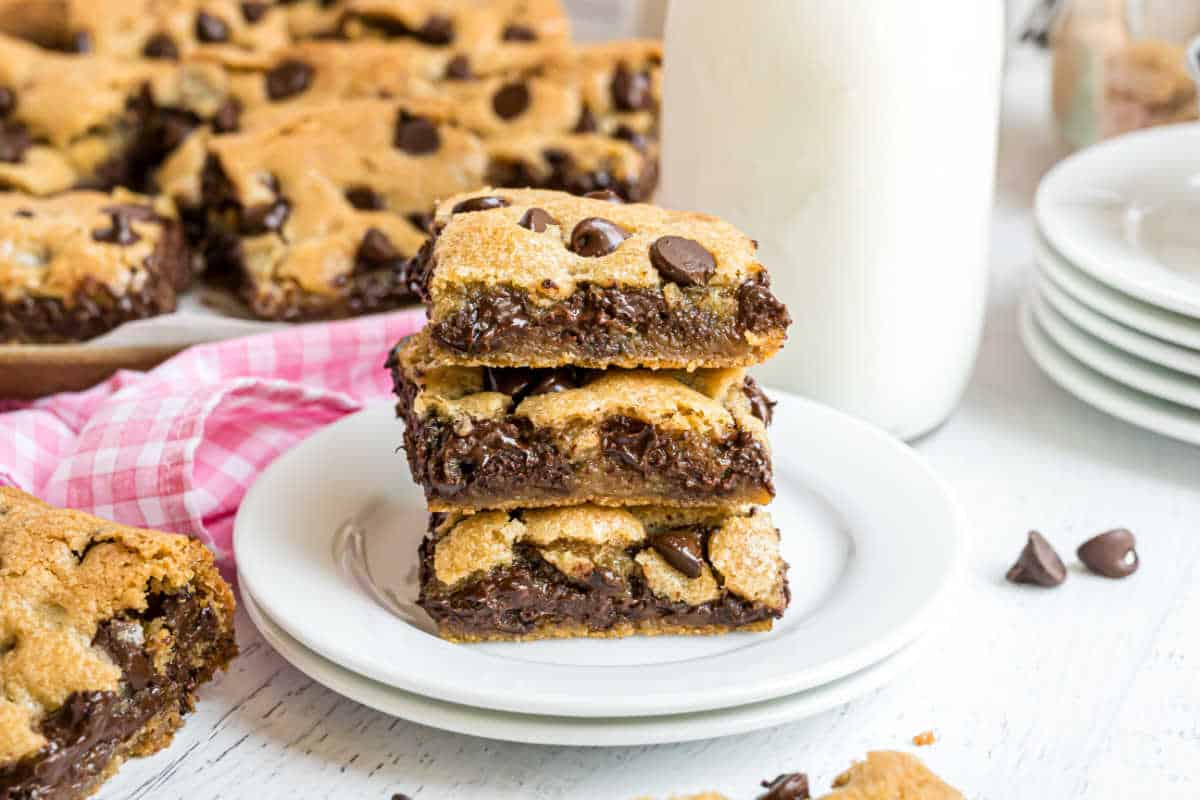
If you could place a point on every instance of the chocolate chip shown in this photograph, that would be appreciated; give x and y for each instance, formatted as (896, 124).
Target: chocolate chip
(761, 406)
(376, 252)
(1038, 564)
(416, 136)
(631, 90)
(1111, 554)
(554, 381)
(628, 134)
(228, 116)
(511, 100)
(24, 213)
(289, 77)
(422, 220)
(8, 101)
(364, 198)
(684, 261)
(81, 42)
(607, 195)
(521, 382)
(438, 29)
(519, 33)
(479, 204)
(210, 28)
(253, 12)
(595, 237)
(683, 549)
(789, 786)
(459, 69)
(161, 45)
(587, 121)
(14, 141)
(266, 217)
(120, 232)
(511, 381)
(537, 220)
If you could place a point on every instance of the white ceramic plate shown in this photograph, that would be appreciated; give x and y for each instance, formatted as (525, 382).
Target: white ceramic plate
(871, 534)
(1114, 333)
(1111, 397)
(579, 731)
(1125, 212)
(1113, 363)
(1166, 325)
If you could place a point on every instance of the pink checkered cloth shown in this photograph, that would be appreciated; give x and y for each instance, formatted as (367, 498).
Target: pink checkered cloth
(176, 448)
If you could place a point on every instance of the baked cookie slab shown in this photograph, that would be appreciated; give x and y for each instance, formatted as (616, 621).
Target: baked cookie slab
(603, 572)
(105, 634)
(97, 122)
(502, 438)
(523, 277)
(79, 264)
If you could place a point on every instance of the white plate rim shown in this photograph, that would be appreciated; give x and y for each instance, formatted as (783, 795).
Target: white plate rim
(1104, 394)
(1168, 291)
(1114, 333)
(1157, 322)
(579, 731)
(1115, 364)
(447, 684)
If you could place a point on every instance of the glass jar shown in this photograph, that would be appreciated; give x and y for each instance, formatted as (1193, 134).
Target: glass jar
(1120, 65)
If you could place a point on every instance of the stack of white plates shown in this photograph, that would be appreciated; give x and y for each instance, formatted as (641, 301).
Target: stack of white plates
(1115, 314)
(326, 544)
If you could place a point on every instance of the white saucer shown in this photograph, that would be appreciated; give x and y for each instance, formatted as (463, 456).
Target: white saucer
(871, 534)
(1107, 395)
(1158, 322)
(579, 731)
(1113, 363)
(1130, 341)
(1125, 212)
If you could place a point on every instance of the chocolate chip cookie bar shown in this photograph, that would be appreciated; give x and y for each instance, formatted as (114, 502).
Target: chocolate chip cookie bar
(78, 264)
(576, 163)
(461, 25)
(320, 210)
(105, 634)
(96, 122)
(604, 572)
(524, 277)
(499, 438)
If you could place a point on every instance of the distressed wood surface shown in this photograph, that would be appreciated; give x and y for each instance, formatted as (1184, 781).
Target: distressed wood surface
(1090, 691)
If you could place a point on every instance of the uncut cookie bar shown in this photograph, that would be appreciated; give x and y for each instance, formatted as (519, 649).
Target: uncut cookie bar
(105, 634)
(484, 437)
(99, 122)
(523, 277)
(78, 264)
(606, 572)
(319, 210)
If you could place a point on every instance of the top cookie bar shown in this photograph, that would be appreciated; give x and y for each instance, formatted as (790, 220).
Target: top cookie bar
(526, 277)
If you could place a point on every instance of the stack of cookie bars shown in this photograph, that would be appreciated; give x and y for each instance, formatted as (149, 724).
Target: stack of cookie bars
(578, 413)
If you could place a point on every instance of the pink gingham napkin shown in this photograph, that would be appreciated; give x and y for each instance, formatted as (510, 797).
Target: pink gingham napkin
(176, 448)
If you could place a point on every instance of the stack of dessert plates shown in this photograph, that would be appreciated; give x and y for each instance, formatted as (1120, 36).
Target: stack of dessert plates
(1115, 313)
(325, 542)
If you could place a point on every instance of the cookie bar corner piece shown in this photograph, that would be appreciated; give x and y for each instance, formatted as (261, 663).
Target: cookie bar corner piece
(592, 571)
(106, 632)
(538, 278)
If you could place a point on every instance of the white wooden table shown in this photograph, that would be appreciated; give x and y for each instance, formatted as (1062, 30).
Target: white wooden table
(1090, 691)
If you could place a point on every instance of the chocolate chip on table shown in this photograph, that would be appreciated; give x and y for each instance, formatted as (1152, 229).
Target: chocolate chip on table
(630, 90)
(459, 69)
(8, 101)
(595, 237)
(438, 29)
(416, 136)
(511, 100)
(252, 12)
(161, 46)
(587, 121)
(1112, 554)
(211, 28)
(364, 198)
(479, 204)
(789, 786)
(14, 141)
(228, 116)
(683, 261)
(1038, 564)
(519, 33)
(537, 220)
(607, 195)
(288, 78)
(683, 549)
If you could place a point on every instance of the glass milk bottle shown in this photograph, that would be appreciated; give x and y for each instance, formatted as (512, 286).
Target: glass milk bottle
(856, 141)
